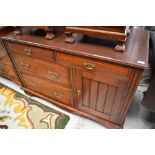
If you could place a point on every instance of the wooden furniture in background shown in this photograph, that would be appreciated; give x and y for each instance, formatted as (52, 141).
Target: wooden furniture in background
(49, 31)
(113, 32)
(148, 100)
(87, 79)
(7, 69)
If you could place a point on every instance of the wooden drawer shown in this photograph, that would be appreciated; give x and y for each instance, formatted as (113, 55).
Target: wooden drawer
(31, 51)
(48, 89)
(50, 71)
(92, 65)
(8, 72)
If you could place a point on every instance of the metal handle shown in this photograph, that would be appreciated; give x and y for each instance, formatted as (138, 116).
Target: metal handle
(25, 66)
(58, 95)
(79, 92)
(89, 66)
(28, 51)
(53, 75)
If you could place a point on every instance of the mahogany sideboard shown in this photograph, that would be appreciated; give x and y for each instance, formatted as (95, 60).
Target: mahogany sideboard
(87, 79)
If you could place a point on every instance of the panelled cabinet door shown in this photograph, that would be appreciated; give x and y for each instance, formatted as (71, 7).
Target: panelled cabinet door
(100, 95)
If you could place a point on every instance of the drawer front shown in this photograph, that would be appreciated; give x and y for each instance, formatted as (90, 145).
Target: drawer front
(94, 66)
(30, 51)
(7, 71)
(48, 89)
(50, 71)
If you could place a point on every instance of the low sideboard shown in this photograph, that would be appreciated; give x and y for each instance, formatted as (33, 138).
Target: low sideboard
(87, 79)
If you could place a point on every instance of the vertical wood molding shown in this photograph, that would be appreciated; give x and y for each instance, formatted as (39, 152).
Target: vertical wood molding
(133, 86)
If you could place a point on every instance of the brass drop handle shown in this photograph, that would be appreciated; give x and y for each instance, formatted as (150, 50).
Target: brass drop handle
(89, 66)
(79, 92)
(25, 66)
(1, 70)
(53, 75)
(58, 95)
(28, 51)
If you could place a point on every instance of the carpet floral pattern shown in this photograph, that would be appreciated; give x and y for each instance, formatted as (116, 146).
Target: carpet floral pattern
(20, 112)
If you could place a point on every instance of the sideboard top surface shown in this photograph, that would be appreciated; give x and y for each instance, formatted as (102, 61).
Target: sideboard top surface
(135, 55)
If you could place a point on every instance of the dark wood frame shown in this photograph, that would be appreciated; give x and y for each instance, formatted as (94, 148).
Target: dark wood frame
(114, 32)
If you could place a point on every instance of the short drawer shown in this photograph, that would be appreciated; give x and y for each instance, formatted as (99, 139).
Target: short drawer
(31, 51)
(46, 70)
(48, 89)
(92, 65)
(8, 72)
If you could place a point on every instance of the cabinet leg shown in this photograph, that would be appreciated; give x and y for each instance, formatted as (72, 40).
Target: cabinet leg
(49, 33)
(18, 30)
(120, 47)
(69, 37)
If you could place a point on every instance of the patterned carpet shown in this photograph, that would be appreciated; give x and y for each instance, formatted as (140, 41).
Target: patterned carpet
(20, 112)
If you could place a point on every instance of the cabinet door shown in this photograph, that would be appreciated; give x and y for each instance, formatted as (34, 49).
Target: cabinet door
(100, 95)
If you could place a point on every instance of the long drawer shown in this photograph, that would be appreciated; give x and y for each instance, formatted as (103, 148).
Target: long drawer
(93, 66)
(48, 89)
(51, 71)
(30, 51)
